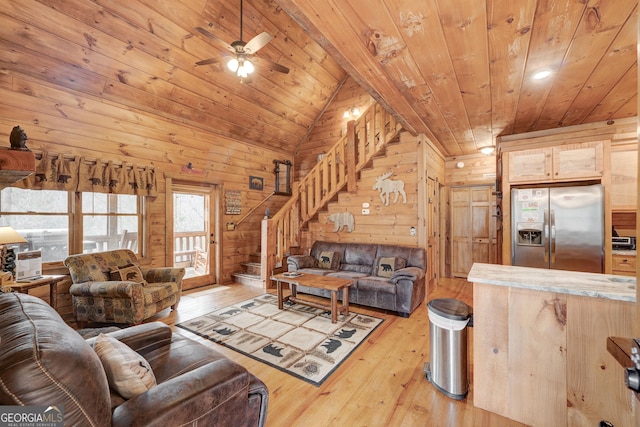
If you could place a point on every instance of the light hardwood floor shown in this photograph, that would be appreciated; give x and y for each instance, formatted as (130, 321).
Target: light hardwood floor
(381, 384)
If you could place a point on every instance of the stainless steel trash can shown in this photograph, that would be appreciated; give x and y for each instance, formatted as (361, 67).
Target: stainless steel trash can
(448, 368)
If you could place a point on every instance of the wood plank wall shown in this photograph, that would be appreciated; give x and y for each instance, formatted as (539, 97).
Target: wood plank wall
(330, 127)
(91, 128)
(384, 224)
(76, 111)
(476, 169)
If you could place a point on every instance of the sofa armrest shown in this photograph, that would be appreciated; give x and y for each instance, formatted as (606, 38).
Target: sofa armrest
(296, 262)
(107, 289)
(409, 273)
(258, 399)
(216, 393)
(142, 338)
(163, 274)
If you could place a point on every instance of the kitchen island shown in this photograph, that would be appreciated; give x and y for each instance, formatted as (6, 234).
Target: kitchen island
(540, 344)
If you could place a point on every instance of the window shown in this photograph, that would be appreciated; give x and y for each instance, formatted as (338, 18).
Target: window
(60, 223)
(110, 221)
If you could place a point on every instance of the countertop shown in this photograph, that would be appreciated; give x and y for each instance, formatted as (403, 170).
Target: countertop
(606, 286)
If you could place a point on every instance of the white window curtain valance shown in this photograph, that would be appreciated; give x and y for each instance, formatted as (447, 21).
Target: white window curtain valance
(69, 173)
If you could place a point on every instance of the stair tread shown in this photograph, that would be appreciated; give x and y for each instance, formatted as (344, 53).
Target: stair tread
(246, 275)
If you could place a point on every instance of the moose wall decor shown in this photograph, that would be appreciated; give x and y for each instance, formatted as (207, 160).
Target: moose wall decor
(386, 186)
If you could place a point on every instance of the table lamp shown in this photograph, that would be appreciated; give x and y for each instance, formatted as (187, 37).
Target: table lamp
(8, 257)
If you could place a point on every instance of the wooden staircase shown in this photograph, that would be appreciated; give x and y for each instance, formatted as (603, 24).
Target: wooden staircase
(250, 274)
(365, 138)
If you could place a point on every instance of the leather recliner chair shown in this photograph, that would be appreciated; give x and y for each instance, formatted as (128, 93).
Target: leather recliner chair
(43, 362)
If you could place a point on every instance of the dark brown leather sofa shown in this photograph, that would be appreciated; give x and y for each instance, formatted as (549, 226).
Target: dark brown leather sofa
(45, 362)
(401, 291)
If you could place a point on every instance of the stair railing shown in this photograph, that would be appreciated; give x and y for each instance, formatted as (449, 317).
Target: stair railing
(365, 137)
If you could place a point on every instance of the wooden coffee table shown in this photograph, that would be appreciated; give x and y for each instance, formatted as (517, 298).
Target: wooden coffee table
(333, 284)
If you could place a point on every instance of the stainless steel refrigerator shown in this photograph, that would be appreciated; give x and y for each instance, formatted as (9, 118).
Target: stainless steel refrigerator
(558, 227)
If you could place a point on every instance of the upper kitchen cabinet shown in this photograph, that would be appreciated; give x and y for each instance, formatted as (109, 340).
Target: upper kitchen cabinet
(578, 161)
(624, 172)
(567, 162)
(530, 165)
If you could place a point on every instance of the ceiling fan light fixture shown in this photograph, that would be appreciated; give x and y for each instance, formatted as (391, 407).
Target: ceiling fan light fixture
(248, 66)
(233, 64)
(245, 69)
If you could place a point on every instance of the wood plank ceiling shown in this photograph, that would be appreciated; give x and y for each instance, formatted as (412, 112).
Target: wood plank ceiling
(461, 71)
(457, 70)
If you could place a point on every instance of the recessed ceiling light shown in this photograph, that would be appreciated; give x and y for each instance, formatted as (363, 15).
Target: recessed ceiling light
(542, 74)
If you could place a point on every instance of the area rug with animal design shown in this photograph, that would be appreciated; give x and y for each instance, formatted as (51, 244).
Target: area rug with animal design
(299, 340)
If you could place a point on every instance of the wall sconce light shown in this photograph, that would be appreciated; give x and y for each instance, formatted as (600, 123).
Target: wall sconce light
(351, 113)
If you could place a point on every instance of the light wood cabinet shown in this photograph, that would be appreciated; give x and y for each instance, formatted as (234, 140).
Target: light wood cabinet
(530, 165)
(623, 265)
(473, 227)
(578, 161)
(624, 173)
(558, 163)
(540, 356)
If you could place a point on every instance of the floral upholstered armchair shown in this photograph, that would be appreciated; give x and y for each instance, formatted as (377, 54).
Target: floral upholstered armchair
(111, 287)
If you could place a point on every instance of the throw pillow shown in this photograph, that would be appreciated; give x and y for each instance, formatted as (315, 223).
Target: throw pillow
(129, 374)
(387, 265)
(130, 273)
(329, 260)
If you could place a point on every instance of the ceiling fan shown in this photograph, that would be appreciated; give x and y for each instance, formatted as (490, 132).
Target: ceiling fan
(241, 63)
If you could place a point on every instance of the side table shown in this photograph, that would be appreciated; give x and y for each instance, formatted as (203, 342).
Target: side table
(51, 280)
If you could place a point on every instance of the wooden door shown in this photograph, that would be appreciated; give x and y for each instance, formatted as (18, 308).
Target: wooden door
(473, 228)
(483, 223)
(461, 247)
(192, 225)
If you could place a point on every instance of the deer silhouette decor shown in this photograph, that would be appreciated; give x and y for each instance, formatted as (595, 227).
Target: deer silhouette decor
(387, 186)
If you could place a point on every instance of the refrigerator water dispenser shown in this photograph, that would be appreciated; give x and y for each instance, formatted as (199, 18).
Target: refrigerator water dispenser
(529, 234)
